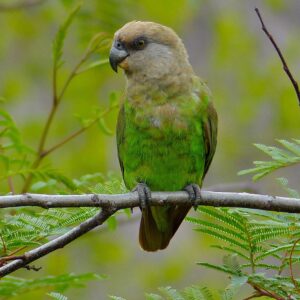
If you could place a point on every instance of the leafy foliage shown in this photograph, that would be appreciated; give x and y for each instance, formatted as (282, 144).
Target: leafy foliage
(26, 227)
(281, 157)
(60, 37)
(169, 293)
(13, 286)
(255, 241)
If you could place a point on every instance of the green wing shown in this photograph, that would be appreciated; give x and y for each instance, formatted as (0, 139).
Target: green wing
(120, 133)
(210, 129)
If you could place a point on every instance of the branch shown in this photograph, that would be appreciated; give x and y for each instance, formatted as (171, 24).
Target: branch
(60, 242)
(20, 5)
(77, 132)
(285, 66)
(131, 200)
(112, 203)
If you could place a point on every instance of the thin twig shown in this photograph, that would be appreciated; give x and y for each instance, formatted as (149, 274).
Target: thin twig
(10, 184)
(255, 295)
(57, 243)
(56, 100)
(291, 265)
(3, 244)
(285, 66)
(131, 200)
(263, 292)
(75, 133)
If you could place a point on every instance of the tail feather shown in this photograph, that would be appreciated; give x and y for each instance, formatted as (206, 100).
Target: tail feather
(151, 236)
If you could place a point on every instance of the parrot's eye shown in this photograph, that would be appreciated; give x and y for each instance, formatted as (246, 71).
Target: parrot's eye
(119, 45)
(139, 44)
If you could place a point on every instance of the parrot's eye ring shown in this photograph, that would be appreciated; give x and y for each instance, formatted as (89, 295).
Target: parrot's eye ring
(140, 44)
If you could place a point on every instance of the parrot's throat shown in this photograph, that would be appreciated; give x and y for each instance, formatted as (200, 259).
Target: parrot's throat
(159, 89)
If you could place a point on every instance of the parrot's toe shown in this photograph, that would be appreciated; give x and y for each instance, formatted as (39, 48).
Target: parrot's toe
(144, 194)
(194, 192)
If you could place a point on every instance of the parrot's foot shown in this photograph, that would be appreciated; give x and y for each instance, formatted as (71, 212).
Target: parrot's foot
(144, 194)
(194, 192)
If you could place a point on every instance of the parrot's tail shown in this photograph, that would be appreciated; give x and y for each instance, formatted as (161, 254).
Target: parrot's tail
(153, 238)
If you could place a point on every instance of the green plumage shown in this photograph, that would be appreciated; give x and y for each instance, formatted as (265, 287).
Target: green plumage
(166, 140)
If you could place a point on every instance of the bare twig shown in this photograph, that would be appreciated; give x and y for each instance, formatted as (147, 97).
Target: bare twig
(57, 243)
(255, 295)
(131, 200)
(56, 100)
(76, 133)
(3, 244)
(260, 292)
(20, 5)
(291, 265)
(11, 184)
(285, 66)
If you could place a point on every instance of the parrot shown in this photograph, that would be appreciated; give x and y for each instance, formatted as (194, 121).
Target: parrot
(167, 125)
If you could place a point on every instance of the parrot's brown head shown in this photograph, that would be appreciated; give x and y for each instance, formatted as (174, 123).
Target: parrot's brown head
(147, 50)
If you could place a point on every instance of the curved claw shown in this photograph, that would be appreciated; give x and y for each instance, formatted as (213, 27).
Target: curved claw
(194, 192)
(144, 194)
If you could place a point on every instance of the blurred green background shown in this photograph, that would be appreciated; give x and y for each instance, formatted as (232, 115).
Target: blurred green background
(254, 99)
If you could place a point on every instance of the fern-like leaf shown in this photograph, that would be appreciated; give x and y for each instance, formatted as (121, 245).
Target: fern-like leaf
(59, 40)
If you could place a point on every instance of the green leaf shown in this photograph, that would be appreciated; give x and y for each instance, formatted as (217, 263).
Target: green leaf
(280, 158)
(58, 43)
(284, 183)
(13, 286)
(231, 250)
(197, 293)
(223, 237)
(103, 126)
(57, 296)
(114, 100)
(153, 297)
(171, 293)
(220, 228)
(217, 267)
(229, 217)
(93, 65)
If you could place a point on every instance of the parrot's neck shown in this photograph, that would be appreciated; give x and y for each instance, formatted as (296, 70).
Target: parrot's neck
(160, 87)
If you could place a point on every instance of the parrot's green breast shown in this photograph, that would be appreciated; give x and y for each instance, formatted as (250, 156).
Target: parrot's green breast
(162, 141)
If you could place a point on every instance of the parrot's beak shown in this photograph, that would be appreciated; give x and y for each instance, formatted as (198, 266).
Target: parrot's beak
(117, 54)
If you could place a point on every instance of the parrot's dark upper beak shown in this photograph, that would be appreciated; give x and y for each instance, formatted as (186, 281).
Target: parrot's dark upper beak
(117, 54)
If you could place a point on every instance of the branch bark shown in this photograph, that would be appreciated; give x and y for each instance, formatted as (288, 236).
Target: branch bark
(131, 200)
(112, 203)
(57, 243)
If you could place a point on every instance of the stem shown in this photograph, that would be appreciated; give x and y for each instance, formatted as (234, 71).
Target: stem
(11, 185)
(263, 292)
(56, 99)
(285, 66)
(251, 248)
(291, 265)
(41, 145)
(76, 133)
